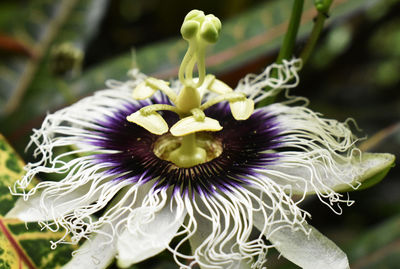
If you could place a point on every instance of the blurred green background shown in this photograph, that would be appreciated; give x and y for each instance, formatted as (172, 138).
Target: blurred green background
(55, 52)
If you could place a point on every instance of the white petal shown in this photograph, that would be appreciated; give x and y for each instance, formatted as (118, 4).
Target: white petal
(95, 253)
(317, 176)
(99, 251)
(238, 265)
(139, 242)
(204, 236)
(190, 125)
(59, 204)
(309, 251)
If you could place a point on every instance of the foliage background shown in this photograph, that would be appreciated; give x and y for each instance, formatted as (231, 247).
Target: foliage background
(354, 72)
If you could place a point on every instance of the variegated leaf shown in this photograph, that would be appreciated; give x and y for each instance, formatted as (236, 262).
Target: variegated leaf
(23, 245)
(11, 169)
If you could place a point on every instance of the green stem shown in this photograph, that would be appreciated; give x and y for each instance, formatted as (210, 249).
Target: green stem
(188, 146)
(188, 154)
(286, 51)
(289, 40)
(312, 41)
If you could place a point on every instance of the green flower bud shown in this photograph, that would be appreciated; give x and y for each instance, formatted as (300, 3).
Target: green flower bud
(322, 5)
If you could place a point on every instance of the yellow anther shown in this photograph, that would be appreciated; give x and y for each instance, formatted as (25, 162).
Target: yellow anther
(190, 125)
(152, 122)
(143, 91)
(242, 109)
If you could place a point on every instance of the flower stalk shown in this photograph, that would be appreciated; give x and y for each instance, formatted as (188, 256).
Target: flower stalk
(289, 41)
(323, 7)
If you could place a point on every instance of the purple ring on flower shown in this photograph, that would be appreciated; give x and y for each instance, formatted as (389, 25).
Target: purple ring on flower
(256, 166)
(244, 145)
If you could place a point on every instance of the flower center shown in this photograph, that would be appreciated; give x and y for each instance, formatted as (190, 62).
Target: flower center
(167, 147)
(199, 30)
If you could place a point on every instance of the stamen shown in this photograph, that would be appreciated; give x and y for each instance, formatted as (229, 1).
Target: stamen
(149, 87)
(199, 30)
(190, 125)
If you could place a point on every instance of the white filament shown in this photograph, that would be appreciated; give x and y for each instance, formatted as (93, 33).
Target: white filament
(319, 146)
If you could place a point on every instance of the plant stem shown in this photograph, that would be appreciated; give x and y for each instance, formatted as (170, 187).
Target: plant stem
(312, 41)
(289, 41)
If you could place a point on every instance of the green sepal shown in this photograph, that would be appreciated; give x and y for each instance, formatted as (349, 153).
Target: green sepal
(377, 175)
(356, 173)
(373, 175)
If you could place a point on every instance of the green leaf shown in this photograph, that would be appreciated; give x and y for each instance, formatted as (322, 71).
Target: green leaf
(23, 243)
(11, 170)
(377, 248)
(41, 23)
(9, 257)
(29, 245)
(82, 23)
(42, 20)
